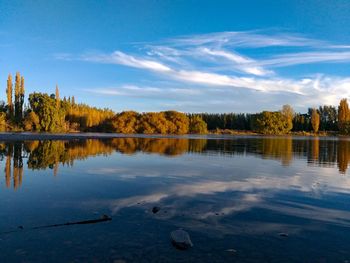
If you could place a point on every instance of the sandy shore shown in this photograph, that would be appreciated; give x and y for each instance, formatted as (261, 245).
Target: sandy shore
(24, 136)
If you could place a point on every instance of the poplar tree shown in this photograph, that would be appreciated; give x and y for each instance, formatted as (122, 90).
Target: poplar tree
(21, 99)
(315, 120)
(288, 113)
(17, 96)
(9, 96)
(343, 116)
(57, 96)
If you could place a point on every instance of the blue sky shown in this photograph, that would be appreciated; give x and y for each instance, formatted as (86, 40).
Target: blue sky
(192, 56)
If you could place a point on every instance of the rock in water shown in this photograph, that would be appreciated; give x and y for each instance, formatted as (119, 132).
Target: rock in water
(232, 251)
(155, 209)
(105, 217)
(181, 239)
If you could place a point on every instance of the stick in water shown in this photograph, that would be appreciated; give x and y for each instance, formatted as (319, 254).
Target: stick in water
(104, 218)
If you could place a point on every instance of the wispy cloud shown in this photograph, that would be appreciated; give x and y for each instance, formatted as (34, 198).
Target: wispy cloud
(240, 62)
(211, 62)
(200, 98)
(64, 56)
(119, 57)
(307, 58)
(249, 191)
(198, 77)
(146, 92)
(250, 39)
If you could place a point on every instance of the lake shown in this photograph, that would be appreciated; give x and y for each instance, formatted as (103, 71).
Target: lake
(241, 199)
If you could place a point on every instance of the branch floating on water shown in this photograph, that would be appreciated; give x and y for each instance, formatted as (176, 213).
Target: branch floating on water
(104, 218)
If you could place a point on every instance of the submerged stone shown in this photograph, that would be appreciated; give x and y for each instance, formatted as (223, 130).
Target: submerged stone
(106, 217)
(155, 209)
(181, 239)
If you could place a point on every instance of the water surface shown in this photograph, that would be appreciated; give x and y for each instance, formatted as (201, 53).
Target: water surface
(245, 199)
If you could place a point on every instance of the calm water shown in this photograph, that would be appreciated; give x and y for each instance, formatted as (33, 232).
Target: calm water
(234, 197)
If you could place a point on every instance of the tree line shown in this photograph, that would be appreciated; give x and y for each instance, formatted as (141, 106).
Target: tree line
(51, 113)
(325, 118)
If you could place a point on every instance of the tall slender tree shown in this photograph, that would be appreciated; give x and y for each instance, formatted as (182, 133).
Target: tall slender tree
(9, 96)
(21, 99)
(343, 116)
(17, 96)
(288, 113)
(57, 97)
(315, 120)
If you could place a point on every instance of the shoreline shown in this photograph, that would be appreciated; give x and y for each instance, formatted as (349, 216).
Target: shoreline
(30, 136)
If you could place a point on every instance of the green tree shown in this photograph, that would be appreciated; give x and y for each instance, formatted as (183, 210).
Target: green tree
(21, 99)
(328, 118)
(44, 106)
(17, 97)
(197, 125)
(269, 122)
(288, 114)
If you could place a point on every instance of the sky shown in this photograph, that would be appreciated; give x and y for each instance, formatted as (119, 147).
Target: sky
(186, 55)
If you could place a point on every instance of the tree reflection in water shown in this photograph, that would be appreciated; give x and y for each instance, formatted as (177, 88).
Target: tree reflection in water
(52, 154)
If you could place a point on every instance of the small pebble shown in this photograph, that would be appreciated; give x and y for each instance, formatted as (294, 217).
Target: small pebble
(155, 209)
(181, 239)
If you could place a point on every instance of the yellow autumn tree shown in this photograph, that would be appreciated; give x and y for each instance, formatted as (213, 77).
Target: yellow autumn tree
(344, 117)
(315, 120)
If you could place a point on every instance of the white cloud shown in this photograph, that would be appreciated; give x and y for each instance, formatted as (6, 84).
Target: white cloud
(265, 85)
(250, 39)
(199, 77)
(63, 56)
(243, 64)
(250, 192)
(119, 57)
(210, 63)
(306, 58)
(146, 92)
(202, 96)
